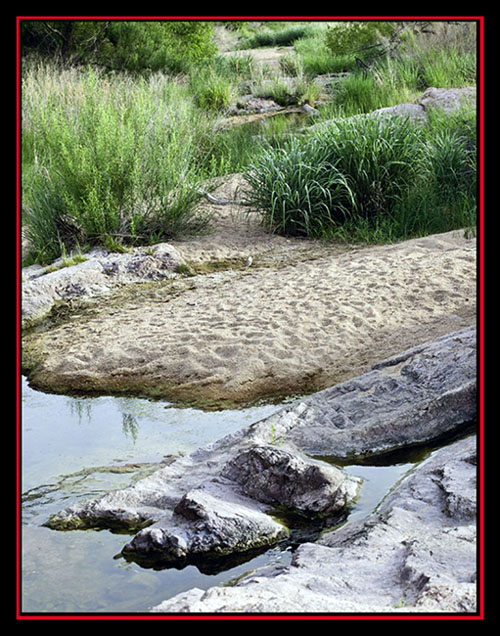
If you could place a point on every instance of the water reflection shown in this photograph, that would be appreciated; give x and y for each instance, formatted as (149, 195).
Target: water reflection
(61, 434)
(78, 447)
(130, 426)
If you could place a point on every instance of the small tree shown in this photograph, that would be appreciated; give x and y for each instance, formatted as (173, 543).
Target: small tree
(160, 45)
(125, 45)
(365, 40)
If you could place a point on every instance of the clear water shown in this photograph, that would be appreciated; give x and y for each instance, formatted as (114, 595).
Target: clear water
(70, 450)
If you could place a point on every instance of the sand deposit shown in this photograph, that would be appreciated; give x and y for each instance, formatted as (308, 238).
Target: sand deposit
(301, 317)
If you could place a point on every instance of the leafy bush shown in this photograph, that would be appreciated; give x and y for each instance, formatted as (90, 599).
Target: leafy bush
(129, 45)
(358, 38)
(116, 161)
(316, 58)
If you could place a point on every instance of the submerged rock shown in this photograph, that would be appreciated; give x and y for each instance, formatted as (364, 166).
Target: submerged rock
(416, 553)
(204, 505)
(220, 499)
(207, 524)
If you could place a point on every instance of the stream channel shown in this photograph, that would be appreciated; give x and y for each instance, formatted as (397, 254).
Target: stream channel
(81, 447)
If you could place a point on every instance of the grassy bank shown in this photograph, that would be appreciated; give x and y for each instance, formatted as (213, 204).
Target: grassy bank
(370, 179)
(108, 159)
(118, 159)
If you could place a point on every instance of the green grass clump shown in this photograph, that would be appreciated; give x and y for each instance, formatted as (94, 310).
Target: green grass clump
(297, 196)
(214, 85)
(317, 59)
(107, 159)
(360, 93)
(279, 35)
(368, 178)
(445, 195)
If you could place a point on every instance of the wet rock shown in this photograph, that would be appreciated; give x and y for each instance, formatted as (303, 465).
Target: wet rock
(207, 524)
(248, 104)
(97, 275)
(282, 478)
(420, 395)
(416, 553)
(219, 499)
(203, 504)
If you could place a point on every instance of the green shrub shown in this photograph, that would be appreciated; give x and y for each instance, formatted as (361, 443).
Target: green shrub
(369, 178)
(378, 156)
(238, 66)
(388, 85)
(126, 45)
(118, 159)
(359, 38)
(211, 89)
(451, 156)
(398, 80)
(443, 54)
(316, 58)
(448, 69)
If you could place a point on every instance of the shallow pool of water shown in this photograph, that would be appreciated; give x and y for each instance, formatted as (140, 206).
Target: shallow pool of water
(75, 448)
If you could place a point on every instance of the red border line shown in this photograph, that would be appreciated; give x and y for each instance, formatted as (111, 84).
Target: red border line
(480, 614)
(18, 319)
(481, 316)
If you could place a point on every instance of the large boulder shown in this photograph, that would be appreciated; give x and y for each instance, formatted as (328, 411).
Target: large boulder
(416, 553)
(419, 395)
(448, 99)
(220, 500)
(281, 478)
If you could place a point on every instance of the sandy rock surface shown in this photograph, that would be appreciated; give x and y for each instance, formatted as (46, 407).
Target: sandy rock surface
(301, 317)
(264, 315)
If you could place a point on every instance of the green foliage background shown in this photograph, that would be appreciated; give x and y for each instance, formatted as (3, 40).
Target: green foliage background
(123, 123)
(124, 45)
(357, 37)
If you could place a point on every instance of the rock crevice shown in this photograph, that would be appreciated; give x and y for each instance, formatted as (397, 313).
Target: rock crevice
(222, 499)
